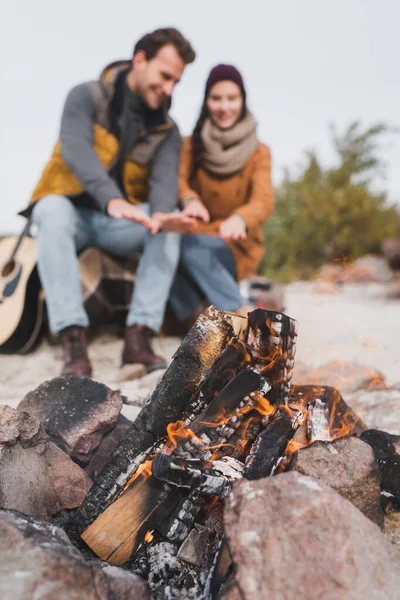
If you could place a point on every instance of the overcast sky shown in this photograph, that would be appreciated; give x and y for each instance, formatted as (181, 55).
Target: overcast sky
(306, 63)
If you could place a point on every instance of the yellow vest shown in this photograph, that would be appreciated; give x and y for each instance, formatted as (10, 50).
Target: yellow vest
(58, 179)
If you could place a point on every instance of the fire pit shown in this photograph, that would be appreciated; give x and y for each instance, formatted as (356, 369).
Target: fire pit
(224, 410)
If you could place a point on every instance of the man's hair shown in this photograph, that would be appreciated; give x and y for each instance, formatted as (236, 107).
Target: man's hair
(151, 43)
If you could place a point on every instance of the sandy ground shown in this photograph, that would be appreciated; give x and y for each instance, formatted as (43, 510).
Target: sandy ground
(354, 324)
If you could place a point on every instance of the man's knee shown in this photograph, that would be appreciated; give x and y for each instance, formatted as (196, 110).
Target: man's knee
(55, 213)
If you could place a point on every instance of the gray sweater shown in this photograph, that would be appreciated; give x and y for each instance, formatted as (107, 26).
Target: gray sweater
(77, 148)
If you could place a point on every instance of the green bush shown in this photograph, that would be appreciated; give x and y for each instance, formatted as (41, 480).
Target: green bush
(331, 213)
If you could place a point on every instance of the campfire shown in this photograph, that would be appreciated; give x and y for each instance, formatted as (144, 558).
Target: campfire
(224, 410)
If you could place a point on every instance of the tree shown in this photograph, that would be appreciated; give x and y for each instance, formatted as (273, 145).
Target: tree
(330, 213)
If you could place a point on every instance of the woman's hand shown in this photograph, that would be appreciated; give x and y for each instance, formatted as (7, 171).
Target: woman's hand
(233, 228)
(195, 208)
(177, 222)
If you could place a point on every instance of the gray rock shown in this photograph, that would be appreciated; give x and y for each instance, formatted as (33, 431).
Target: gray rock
(294, 537)
(38, 561)
(75, 412)
(348, 466)
(346, 377)
(380, 409)
(369, 269)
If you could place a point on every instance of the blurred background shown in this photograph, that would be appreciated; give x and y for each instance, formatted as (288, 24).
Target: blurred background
(308, 66)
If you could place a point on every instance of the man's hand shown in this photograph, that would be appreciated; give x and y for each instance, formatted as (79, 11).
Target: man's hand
(196, 209)
(177, 222)
(233, 228)
(122, 209)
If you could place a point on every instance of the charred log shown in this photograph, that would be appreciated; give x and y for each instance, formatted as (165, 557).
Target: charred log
(386, 449)
(328, 417)
(270, 446)
(199, 350)
(272, 336)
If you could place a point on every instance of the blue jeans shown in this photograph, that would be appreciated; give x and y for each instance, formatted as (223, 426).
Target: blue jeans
(206, 271)
(65, 229)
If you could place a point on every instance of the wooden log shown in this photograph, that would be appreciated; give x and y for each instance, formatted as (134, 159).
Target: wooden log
(199, 350)
(328, 417)
(270, 446)
(386, 447)
(272, 336)
(117, 532)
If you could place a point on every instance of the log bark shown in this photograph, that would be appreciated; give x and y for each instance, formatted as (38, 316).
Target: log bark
(199, 350)
(117, 532)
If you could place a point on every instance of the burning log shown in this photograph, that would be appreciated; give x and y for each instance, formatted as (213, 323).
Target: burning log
(323, 415)
(200, 349)
(145, 503)
(272, 337)
(270, 446)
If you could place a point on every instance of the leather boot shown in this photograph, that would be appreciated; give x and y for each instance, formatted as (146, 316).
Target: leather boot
(75, 356)
(137, 348)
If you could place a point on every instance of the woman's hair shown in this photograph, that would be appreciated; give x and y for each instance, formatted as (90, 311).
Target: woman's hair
(197, 142)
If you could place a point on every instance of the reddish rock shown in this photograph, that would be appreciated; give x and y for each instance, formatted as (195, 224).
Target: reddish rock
(107, 446)
(75, 411)
(330, 273)
(36, 477)
(265, 293)
(391, 252)
(38, 561)
(380, 409)
(348, 466)
(294, 537)
(346, 377)
(367, 269)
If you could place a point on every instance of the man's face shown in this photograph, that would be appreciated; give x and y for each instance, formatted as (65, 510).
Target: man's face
(155, 79)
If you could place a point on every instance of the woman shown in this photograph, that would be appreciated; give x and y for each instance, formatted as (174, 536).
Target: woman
(225, 183)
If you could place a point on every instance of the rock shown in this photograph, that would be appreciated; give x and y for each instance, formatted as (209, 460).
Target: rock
(330, 273)
(346, 377)
(380, 409)
(348, 466)
(264, 293)
(107, 446)
(36, 477)
(391, 252)
(293, 537)
(21, 427)
(38, 561)
(75, 411)
(392, 527)
(394, 291)
(367, 269)
(131, 372)
(68, 481)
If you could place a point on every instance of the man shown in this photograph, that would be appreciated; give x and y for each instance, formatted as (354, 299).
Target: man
(111, 183)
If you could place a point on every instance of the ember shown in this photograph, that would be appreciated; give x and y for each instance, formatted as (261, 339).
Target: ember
(241, 419)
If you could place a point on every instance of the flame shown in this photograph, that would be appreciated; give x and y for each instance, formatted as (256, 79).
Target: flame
(177, 432)
(148, 537)
(144, 469)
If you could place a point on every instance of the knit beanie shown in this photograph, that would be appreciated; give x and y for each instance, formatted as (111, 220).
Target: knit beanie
(225, 73)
